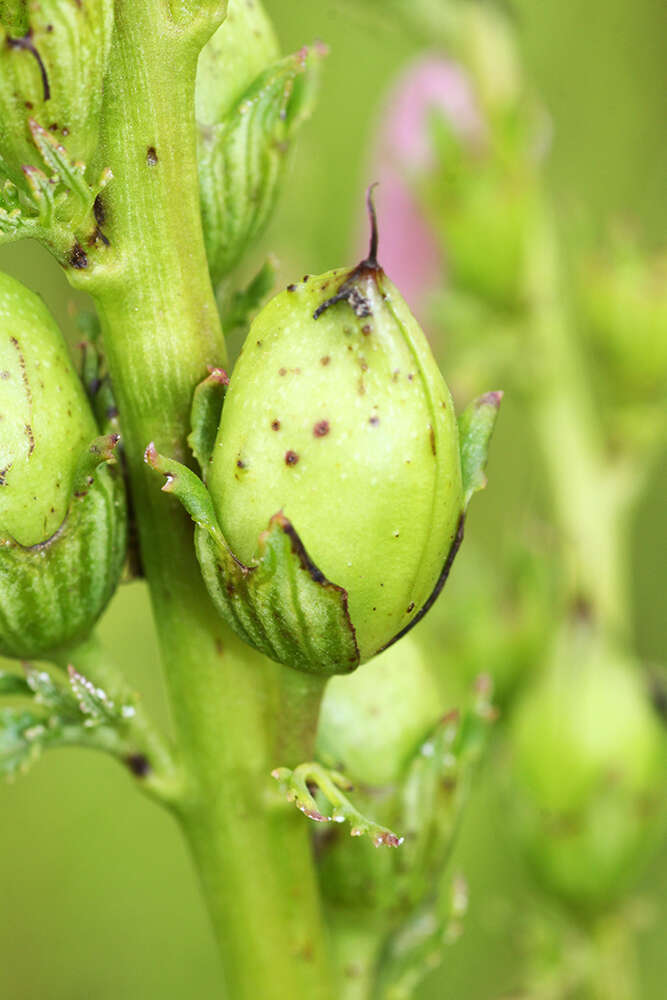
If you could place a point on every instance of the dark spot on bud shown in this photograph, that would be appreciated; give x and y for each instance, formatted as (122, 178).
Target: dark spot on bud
(374, 420)
(151, 156)
(282, 371)
(291, 288)
(291, 458)
(29, 105)
(366, 330)
(53, 127)
(305, 278)
(78, 257)
(99, 211)
(321, 429)
(138, 764)
(65, 131)
(275, 425)
(411, 607)
(325, 360)
(259, 343)
(410, 376)
(240, 464)
(431, 434)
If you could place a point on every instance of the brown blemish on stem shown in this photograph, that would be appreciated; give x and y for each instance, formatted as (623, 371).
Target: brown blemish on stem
(138, 764)
(78, 258)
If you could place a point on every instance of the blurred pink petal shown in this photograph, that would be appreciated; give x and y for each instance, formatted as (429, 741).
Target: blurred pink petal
(401, 152)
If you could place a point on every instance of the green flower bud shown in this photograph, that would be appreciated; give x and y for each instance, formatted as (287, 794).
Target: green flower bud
(589, 757)
(53, 57)
(336, 474)
(248, 107)
(62, 519)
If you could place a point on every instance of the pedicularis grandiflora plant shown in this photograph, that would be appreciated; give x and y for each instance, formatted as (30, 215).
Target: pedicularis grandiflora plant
(294, 516)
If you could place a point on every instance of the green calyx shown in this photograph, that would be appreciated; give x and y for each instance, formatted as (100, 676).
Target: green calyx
(248, 115)
(62, 508)
(339, 434)
(53, 57)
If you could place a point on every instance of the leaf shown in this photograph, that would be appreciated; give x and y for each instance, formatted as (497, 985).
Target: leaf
(476, 425)
(297, 785)
(207, 403)
(13, 684)
(282, 604)
(242, 159)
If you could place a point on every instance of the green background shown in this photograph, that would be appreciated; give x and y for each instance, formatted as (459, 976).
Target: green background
(97, 896)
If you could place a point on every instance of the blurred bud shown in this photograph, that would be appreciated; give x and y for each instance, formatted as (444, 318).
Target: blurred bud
(487, 45)
(623, 295)
(372, 723)
(62, 508)
(588, 767)
(53, 57)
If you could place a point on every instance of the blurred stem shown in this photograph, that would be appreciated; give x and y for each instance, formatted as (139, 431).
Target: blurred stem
(589, 501)
(161, 329)
(148, 755)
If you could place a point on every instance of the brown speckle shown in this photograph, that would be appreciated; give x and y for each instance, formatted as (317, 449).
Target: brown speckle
(321, 428)
(240, 464)
(259, 343)
(366, 330)
(325, 360)
(275, 425)
(282, 371)
(374, 420)
(305, 278)
(291, 288)
(151, 156)
(411, 608)
(291, 458)
(410, 376)
(138, 764)
(431, 434)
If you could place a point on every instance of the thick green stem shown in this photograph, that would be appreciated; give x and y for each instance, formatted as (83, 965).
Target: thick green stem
(161, 329)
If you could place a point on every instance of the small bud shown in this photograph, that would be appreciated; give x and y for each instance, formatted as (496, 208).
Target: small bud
(588, 755)
(372, 723)
(249, 109)
(62, 509)
(336, 487)
(53, 57)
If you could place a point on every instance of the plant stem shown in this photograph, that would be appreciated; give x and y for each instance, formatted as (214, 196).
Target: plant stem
(161, 329)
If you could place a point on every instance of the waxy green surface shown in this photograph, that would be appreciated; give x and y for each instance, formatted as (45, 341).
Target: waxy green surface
(45, 419)
(346, 425)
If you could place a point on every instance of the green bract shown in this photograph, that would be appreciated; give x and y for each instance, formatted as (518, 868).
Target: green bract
(589, 758)
(53, 57)
(337, 485)
(62, 519)
(248, 109)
